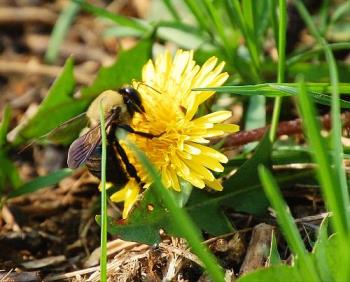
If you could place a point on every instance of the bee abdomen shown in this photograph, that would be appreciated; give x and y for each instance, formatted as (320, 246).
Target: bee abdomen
(115, 172)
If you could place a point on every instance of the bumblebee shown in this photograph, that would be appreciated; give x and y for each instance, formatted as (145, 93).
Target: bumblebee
(119, 108)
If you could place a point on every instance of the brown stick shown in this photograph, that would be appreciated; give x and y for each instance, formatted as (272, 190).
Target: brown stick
(9, 15)
(258, 249)
(39, 69)
(39, 44)
(284, 128)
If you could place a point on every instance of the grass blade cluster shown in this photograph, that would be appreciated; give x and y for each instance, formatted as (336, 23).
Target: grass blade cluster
(288, 226)
(337, 148)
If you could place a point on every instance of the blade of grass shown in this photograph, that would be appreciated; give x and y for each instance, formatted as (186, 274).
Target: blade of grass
(330, 183)
(60, 30)
(337, 147)
(170, 6)
(326, 176)
(281, 64)
(274, 257)
(41, 182)
(286, 222)
(103, 257)
(276, 89)
(186, 226)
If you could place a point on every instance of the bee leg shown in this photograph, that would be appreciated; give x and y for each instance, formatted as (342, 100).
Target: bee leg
(128, 128)
(129, 167)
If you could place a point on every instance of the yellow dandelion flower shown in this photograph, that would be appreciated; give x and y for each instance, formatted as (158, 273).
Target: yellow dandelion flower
(171, 106)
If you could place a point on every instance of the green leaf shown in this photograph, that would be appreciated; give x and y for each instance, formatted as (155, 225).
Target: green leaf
(145, 221)
(57, 107)
(41, 182)
(251, 199)
(4, 125)
(127, 67)
(274, 257)
(324, 255)
(280, 273)
(291, 154)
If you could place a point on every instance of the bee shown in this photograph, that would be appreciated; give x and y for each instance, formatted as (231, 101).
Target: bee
(119, 108)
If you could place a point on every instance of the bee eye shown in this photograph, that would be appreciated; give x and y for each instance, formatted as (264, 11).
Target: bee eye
(132, 98)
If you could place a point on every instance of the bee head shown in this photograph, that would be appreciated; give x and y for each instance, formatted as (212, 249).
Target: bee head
(132, 99)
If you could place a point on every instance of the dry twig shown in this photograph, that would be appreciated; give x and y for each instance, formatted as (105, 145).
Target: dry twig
(7, 67)
(39, 44)
(13, 15)
(284, 128)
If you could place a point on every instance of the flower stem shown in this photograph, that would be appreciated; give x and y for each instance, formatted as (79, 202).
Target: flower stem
(103, 256)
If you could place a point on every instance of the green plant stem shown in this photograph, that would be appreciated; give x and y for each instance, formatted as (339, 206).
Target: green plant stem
(103, 256)
(189, 230)
(285, 220)
(281, 65)
(337, 147)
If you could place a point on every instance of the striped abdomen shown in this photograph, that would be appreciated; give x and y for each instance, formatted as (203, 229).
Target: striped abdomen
(115, 172)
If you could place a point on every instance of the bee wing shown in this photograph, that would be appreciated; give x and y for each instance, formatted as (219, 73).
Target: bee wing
(61, 134)
(64, 132)
(82, 148)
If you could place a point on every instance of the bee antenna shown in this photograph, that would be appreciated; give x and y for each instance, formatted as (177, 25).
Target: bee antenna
(145, 84)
